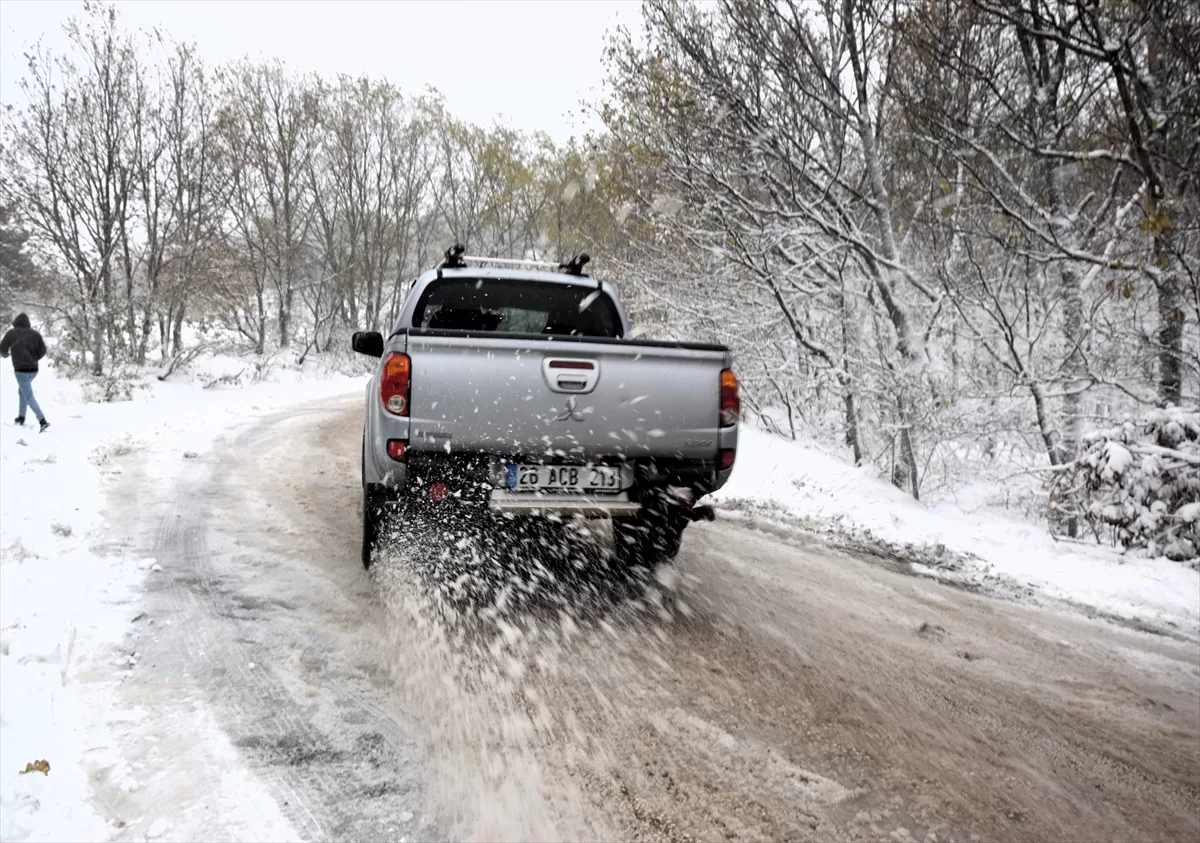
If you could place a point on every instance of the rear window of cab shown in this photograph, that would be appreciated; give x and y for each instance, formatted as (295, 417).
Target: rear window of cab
(502, 306)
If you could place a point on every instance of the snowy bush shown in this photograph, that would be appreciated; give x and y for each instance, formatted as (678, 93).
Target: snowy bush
(1140, 482)
(116, 384)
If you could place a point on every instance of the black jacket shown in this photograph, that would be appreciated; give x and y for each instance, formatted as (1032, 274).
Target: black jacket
(25, 344)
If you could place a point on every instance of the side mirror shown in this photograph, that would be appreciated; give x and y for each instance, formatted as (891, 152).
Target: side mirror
(369, 343)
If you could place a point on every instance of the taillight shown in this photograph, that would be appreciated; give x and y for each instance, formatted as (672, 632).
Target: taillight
(394, 384)
(725, 459)
(397, 449)
(731, 404)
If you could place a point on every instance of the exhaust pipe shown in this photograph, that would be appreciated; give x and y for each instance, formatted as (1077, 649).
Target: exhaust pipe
(703, 512)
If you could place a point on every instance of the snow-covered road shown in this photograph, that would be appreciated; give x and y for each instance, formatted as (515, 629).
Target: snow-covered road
(775, 688)
(257, 624)
(191, 642)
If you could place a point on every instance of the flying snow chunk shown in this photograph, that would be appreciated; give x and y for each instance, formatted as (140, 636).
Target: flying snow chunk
(588, 299)
(667, 577)
(571, 190)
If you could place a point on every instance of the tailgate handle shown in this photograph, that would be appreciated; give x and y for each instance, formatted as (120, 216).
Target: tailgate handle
(571, 374)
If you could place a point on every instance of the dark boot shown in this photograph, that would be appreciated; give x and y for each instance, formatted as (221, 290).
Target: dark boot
(42, 425)
(20, 421)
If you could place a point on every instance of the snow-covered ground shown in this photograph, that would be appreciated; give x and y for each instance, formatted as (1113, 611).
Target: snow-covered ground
(68, 593)
(800, 481)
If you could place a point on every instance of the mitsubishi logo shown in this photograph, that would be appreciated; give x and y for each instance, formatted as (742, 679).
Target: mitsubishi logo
(571, 413)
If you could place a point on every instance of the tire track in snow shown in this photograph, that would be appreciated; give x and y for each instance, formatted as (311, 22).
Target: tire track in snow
(329, 745)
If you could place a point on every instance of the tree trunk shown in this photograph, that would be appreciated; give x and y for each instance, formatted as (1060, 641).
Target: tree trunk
(1074, 365)
(285, 318)
(1074, 369)
(164, 347)
(1170, 338)
(1044, 426)
(97, 345)
(144, 339)
(131, 326)
(844, 380)
(909, 455)
(852, 438)
(177, 329)
(261, 345)
(955, 360)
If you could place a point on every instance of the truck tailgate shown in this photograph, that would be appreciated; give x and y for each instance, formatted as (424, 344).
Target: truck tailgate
(533, 397)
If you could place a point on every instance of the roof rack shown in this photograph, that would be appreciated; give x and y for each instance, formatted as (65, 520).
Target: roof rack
(576, 264)
(453, 258)
(456, 258)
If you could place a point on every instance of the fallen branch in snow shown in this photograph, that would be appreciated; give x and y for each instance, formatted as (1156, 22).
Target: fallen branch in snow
(231, 380)
(180, 361)
(1044, 469)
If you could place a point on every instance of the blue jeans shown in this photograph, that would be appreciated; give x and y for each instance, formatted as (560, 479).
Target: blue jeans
(25, 388)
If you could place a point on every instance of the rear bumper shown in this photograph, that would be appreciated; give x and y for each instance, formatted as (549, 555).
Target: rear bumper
(477, 478)
(589, 506)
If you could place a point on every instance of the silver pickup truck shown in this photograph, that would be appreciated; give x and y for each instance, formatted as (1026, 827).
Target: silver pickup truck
(514, 391)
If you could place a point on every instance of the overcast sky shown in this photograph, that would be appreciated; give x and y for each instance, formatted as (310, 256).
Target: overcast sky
(531, 62)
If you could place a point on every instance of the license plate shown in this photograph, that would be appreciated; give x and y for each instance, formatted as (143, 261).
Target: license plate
(564, 478)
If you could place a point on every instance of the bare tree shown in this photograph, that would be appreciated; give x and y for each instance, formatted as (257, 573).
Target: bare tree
(70, 169)
(272, 117)
(196, 194)
(762, 120)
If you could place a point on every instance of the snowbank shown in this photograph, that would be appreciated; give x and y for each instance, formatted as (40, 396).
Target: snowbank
(801, 481)
(68, 588)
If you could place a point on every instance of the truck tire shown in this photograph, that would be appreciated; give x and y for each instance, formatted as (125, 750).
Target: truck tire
(650, 538)
(374, 504)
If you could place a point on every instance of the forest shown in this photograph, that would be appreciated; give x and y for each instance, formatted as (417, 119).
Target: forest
(957, 241)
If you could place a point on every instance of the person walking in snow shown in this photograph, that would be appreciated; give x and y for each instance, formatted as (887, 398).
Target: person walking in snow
(27, 348)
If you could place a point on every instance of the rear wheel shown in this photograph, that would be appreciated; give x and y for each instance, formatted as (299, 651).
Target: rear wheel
(374, 511)
(650, 538)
